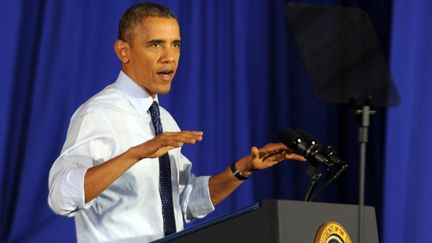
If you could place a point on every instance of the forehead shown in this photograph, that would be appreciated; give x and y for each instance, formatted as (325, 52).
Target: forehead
(158, 28)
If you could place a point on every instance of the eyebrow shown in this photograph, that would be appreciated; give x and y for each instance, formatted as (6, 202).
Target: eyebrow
(159, 41)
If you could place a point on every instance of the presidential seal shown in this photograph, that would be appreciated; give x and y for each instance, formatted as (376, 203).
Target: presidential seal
(332, 232)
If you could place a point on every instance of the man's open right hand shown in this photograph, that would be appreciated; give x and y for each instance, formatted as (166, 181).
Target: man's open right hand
(164, 142)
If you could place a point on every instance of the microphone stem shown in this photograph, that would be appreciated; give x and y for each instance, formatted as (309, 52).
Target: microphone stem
(315, 178)
(365, 114)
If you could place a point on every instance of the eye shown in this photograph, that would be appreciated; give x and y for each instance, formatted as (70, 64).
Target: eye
(154, 44)
(177, 44)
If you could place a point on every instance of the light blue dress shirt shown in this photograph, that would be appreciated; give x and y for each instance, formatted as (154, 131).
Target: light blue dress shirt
(107, 125)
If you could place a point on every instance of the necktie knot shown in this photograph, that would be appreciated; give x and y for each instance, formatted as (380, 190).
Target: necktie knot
(155, 115)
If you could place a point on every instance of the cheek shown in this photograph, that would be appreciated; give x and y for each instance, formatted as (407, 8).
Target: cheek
(148, 64)
(152, 59)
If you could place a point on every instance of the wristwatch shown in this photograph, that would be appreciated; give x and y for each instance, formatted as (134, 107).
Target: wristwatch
(237, 173)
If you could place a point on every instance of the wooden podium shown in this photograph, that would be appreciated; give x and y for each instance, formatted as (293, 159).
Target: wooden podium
(279, 221)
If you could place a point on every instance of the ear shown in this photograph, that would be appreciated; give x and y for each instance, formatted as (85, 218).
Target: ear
(121, 49)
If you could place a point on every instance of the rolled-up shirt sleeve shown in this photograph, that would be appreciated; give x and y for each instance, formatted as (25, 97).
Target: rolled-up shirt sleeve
(66, 189)
(195, 197)
(88, 143)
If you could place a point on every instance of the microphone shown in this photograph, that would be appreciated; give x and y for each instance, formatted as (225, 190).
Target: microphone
(309, 149)
(327, 151)
(306, 145)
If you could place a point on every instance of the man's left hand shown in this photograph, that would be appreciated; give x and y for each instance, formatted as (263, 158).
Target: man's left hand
(265, 157)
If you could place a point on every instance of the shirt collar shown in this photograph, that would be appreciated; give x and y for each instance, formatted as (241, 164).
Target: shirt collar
(136, 95)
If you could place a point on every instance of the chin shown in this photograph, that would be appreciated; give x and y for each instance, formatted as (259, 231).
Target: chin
(164, 90)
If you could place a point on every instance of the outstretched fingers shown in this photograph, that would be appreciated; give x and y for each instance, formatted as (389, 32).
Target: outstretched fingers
(273, 147)
(179, 138)
(166, 141)
(276, 152)
(294, 156)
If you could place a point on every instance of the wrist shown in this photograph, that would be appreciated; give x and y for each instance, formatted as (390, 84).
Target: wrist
(240, 174)
(132, 154)
(243, 166)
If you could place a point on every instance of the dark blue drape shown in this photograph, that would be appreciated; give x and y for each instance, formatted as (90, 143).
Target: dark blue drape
(407, 198)
(240, 80)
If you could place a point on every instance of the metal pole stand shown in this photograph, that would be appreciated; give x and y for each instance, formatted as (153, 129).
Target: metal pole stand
(365, 113)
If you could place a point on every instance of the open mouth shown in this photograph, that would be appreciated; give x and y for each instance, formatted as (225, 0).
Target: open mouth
(166, 74)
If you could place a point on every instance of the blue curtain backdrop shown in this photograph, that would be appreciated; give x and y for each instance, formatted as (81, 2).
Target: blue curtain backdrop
(240, 80)
(407, 198)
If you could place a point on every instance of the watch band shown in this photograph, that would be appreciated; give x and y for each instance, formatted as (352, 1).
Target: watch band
(238, 174)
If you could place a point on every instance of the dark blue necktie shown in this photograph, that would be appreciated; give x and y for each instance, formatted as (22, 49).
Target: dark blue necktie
(164, 177)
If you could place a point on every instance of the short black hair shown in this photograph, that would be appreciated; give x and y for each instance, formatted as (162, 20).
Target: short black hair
(135, 14)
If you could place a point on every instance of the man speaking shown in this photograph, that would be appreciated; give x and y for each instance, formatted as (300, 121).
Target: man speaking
(121, 173)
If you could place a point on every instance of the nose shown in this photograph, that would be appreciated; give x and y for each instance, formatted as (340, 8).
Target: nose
(168, 55)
